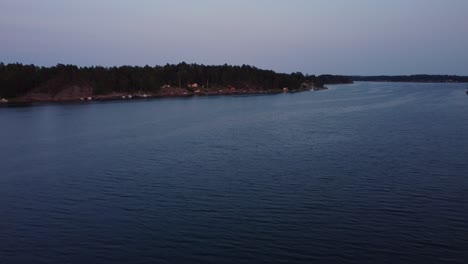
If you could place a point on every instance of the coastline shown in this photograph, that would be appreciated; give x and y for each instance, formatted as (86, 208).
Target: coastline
(28, 84)
(39, 99)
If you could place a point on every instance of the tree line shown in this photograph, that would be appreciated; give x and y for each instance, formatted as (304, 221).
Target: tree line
(413, 78)
(18, 79)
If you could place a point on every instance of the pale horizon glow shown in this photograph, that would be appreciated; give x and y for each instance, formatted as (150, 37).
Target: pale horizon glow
(361, 37)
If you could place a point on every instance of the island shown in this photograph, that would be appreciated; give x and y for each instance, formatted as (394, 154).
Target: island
(21, 83)
(419, 78)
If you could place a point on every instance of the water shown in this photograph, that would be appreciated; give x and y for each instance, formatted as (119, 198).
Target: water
(364, 173)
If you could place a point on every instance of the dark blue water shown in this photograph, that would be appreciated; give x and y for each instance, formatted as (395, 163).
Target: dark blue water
(365, 173)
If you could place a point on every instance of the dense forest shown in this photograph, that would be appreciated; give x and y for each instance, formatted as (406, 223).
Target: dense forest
(18, 80)
(412, 78)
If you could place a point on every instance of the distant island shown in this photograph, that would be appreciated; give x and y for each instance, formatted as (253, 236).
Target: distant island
(421, 78)
(21, 83)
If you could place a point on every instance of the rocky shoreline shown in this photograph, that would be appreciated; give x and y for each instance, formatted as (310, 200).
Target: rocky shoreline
(29, 84)
(41, 98)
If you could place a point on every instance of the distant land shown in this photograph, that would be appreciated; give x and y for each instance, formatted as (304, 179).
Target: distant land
(21, 83)
(422, 78)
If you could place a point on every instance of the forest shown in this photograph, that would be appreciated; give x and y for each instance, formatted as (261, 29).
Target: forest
(424, 78)
(19, 79)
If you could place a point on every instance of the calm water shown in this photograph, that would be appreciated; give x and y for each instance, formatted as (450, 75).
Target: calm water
(364, 173)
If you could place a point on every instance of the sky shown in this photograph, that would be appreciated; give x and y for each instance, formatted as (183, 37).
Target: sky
(350, 37)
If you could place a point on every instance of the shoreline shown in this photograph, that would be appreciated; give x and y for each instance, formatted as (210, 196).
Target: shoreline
(113, 97)
(423, 82)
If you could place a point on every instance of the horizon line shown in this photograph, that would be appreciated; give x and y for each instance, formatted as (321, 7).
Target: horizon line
(232, 65)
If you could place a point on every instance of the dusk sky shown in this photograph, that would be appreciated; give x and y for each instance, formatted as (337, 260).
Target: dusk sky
(364, 37)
